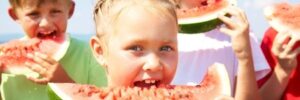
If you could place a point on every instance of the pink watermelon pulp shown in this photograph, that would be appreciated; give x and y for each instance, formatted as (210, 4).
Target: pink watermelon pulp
(196, 16)
(216, 83)
(283, 17)
(13, 54)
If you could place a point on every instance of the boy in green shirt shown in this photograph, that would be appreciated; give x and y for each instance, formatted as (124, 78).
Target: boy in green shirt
(48, 18)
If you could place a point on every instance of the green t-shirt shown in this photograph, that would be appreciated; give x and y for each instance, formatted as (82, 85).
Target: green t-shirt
(79, 64)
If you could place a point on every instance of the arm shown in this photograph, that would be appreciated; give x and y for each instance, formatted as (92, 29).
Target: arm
(238, 30)
(285, 54)
(278, 79)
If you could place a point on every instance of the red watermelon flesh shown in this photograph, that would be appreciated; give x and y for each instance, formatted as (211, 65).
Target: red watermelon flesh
(216, 83)
(284, 16)
(13, 54)
(196, 8)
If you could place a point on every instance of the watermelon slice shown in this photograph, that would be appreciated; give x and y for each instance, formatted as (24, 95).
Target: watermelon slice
(13, 54)
(196, 16)
(283, 17)
(216, 83)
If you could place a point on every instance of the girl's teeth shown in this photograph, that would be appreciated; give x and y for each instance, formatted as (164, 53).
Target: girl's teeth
(152, 81)
(149, 81)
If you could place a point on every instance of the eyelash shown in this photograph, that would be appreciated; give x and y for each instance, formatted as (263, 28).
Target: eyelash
(166, 48)
(55, 11)
(34, 14)
(136, 48)
(163, 48)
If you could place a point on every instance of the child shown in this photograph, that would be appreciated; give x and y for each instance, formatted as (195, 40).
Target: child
(199, 51)
(47, 18)
(284, 62)
(136, 42)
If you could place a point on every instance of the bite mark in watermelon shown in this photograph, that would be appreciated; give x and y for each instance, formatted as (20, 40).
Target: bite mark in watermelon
(196, 16)
(283, 17)
(13, 54)
(216, 83)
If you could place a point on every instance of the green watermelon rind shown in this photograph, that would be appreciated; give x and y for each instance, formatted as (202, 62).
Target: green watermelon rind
(199, 27)
(54, 93)
(203, 23)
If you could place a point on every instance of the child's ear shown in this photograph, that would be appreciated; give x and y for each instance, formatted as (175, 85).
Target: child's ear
(12, 14)
(72, 9)
(97, 50)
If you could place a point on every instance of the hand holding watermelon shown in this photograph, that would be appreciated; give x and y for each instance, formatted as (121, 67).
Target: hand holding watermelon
(237, 27)
(49, 69)
(285, 51)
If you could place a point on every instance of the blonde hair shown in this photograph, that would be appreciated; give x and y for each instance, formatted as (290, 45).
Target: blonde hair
(35, 3)
(107, 12)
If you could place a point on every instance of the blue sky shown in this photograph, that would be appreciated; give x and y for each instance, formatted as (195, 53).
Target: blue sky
(82, 21)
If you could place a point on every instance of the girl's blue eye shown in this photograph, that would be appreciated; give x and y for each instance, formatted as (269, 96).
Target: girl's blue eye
(166, 48)
(136, 48)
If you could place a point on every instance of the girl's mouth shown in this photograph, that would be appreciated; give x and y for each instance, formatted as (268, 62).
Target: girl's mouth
(147, 83)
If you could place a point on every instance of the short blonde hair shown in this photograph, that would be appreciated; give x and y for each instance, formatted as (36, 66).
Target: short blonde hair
(106, 12)
(36, 3)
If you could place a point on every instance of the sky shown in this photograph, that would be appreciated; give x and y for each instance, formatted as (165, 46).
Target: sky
(82, 21)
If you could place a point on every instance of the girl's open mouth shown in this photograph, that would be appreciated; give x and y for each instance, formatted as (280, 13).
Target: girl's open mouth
(147, 83)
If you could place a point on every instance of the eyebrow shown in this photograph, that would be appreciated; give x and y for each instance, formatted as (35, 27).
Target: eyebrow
(140, 40)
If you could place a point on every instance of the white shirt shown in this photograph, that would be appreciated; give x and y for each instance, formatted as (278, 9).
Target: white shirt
(199, 51)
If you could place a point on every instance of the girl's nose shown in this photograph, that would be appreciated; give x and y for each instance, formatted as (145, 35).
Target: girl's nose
(153, 63)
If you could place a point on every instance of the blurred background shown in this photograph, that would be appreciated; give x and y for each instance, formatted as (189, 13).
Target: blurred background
(81, 24)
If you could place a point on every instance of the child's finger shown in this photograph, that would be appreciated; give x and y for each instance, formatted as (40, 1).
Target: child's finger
(45, 58)
(39, 81)
(234, 12)
(279, 39)
(226, 31)
(40, 60)
(290, 46)
(241, 13)
(294, 54)
(36, 68)
(227, 21)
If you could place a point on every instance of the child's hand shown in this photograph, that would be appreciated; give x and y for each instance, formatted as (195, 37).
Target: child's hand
(237, 27)
(285, 51)
(49, 69)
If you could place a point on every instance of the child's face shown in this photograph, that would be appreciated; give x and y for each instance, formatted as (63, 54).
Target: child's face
(48, 19)
(143, 50)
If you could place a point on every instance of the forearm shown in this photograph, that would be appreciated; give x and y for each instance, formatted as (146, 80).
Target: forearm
(276, 84)
(246, 88)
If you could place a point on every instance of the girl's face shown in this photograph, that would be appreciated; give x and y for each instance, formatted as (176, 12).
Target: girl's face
(143, 50)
